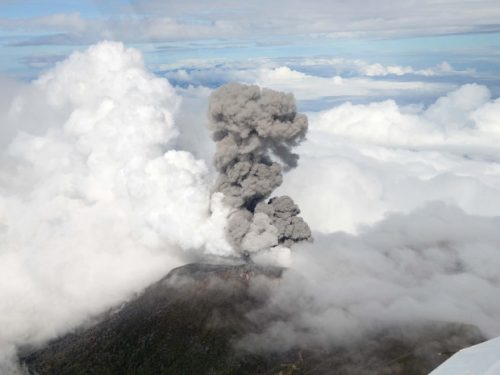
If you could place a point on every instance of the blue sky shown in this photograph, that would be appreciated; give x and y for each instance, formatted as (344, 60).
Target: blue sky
(35, 34)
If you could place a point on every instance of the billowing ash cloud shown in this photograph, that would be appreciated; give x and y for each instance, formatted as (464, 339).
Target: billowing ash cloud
(251, 126)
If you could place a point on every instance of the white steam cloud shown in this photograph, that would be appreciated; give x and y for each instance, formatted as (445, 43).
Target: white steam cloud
(95, 202)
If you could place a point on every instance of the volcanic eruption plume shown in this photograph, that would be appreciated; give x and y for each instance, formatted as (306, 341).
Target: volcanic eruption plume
(254, 131)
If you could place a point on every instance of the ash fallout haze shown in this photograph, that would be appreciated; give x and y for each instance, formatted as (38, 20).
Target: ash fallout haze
(354, 144)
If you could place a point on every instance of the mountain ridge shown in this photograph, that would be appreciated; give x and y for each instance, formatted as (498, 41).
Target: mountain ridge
(191, 321)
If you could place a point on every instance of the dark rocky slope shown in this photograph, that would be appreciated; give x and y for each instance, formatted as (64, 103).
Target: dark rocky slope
(188, 322)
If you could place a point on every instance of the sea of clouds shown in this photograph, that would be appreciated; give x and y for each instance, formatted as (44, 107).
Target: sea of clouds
(106, 179)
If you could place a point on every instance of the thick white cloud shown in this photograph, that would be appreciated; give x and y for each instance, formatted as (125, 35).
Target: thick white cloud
(458, 119)
(95, 203)
(362, 161)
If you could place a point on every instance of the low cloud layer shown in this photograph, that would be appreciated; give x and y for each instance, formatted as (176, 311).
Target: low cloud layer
(344, 78)
(435, 265)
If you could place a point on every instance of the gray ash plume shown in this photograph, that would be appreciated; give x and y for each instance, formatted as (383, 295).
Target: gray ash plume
(254, 131)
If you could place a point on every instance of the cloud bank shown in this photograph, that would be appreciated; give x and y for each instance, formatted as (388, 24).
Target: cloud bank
(435, 265)
(336, 80)
(380, 157)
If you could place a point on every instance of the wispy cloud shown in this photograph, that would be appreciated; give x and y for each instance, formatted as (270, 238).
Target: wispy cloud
(340, 18)
(68, 22)
(42, 61)
(152, 20)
